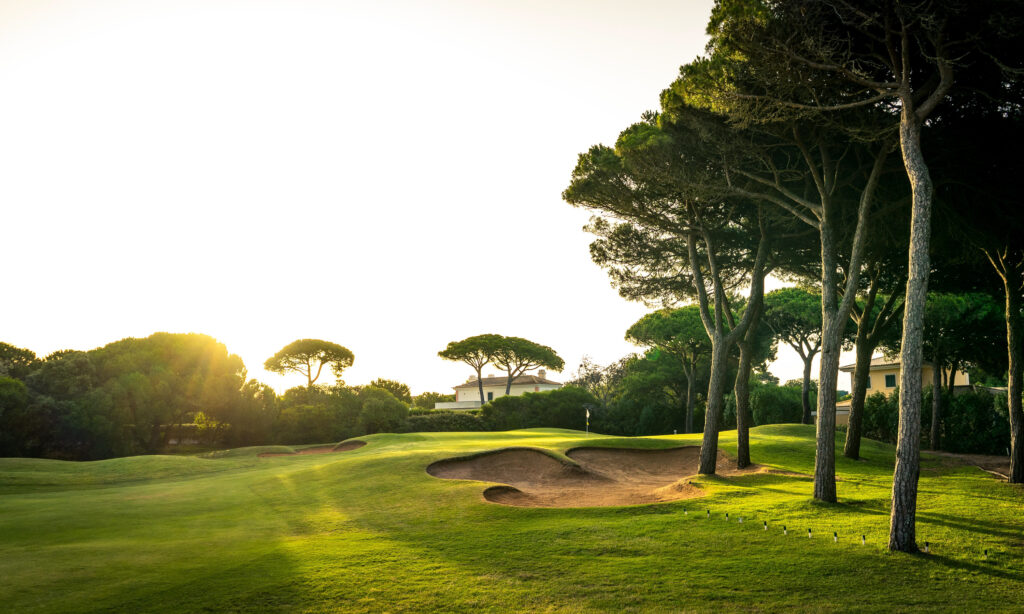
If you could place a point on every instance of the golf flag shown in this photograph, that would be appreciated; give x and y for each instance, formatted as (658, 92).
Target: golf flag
(588, 421)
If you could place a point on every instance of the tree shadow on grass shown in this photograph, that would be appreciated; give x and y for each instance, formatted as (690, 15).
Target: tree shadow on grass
(984, 568)
(994, 529)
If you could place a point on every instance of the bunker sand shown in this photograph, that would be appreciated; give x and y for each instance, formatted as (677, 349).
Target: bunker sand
(345, 446)
(600, 477)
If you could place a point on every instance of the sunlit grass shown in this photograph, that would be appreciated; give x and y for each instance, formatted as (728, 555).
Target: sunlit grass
(369, 530)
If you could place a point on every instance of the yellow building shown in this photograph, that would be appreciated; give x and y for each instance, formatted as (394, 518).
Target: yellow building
(885, 378)
(467, 396)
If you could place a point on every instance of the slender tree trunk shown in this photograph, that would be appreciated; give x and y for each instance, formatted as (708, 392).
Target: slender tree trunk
(828, 376)
(508, 383)
(688, 428)
(951, 383)
(480, 384)
(713, 411)
(741, 390)
(805, 389)
(1015, 354)
(902, 517)
(933, 439)
(861, 373)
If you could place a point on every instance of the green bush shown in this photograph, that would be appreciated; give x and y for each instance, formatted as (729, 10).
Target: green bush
(381, 411)
(443, 421)
(769, 404)
(976, 423)
(881, 417)
(563, 408)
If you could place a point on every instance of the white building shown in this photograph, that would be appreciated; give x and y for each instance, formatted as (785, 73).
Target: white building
(467, 396)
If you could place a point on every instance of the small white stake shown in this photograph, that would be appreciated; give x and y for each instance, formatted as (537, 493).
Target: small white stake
(808, 533)
(926, 547)
(784, 531)
(835, 537)
(863, 540)
(765, 525)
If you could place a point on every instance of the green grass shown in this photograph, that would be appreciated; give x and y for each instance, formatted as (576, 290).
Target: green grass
(370, 531)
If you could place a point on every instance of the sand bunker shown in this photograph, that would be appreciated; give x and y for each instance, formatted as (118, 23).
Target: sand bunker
(601, 477)
(345, 446)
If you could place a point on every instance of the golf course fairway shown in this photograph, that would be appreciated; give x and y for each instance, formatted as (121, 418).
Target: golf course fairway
(368, 529)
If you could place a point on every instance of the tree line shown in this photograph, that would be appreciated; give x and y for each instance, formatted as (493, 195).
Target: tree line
(864, 146)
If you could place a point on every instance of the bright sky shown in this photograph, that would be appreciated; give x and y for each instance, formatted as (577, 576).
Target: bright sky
(385, 175)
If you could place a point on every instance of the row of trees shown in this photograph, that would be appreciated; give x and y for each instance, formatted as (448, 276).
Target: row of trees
(142, 396)
(514, 355)
(775, 153)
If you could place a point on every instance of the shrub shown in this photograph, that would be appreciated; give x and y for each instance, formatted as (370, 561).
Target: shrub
(443, 421)
(562, 408)
(881, 417)
(381, 411)
(975, 422)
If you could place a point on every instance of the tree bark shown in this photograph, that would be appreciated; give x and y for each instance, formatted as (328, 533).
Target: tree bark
(1015, 354)
(741, 390)
(933, 438)
(805, 389)
(480, 384)
(825, 451)
(713, 411)
(902, 517)
(861, 373)
(690, 400)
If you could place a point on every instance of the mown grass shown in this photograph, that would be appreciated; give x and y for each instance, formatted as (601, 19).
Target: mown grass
(369, 531)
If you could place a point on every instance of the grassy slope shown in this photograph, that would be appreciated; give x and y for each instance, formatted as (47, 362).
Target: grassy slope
(369, 530)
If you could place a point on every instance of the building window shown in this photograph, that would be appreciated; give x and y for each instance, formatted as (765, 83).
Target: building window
(890, 381)
(869, 381)
(490, 395)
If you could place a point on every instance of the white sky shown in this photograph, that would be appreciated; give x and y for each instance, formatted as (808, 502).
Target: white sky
(385, 175)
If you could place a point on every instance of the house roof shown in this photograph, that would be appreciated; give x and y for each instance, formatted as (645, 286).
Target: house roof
(527, 380)
(880, 362)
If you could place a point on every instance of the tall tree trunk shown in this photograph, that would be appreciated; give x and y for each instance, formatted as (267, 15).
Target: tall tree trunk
(828, 376)
(861, 373)
(951, 384)
(713, 411)
(690, 401)
(1015, 354)
(508, 383)
(902, 518)
(805, 389)
(741, 390)
(933, 439)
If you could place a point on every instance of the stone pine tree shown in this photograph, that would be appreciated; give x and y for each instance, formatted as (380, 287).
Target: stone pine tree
(794, 316)
(808, 170)
(309, 357)
(875, 316)
(665, 194)
(477, 352)
(516, 356)
(890, 56)
(985, 201)
(680, 332)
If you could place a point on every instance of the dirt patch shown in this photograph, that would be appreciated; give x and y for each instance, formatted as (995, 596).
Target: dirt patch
(601, 477)
(341, 447)
(999, 466)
